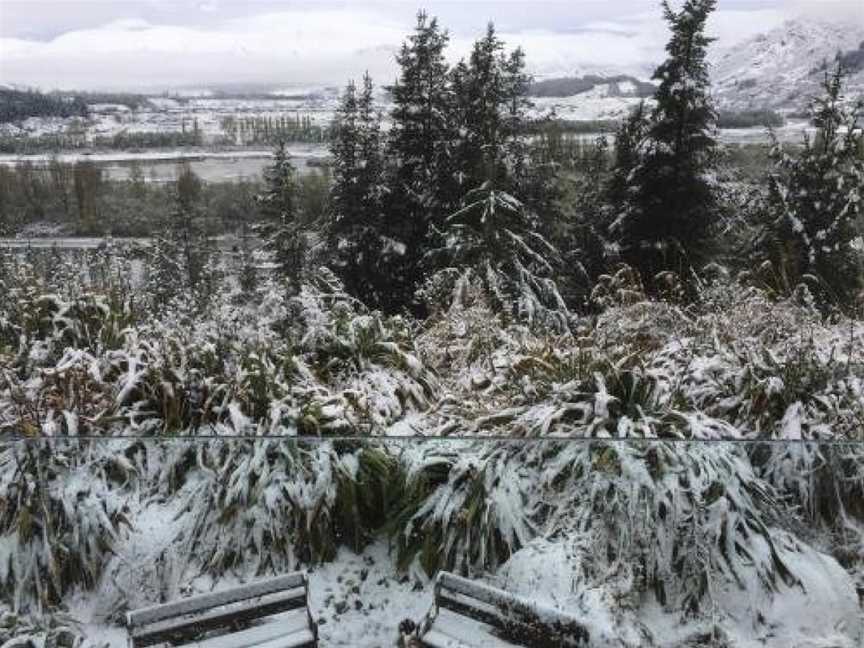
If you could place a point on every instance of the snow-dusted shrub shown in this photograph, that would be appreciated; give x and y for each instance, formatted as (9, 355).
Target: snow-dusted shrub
(465, 511)
(494, 240)
(679, 517)
(58, 519)
(39, 631)
(315, 363)
(619, 288)
(271, 505)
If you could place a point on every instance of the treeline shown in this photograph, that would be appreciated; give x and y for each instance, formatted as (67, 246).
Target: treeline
(75, 141)
(236, 131)
(79, 200)
(130, 100)
(271, 129)
(570, 86)
(749, 119)
(16, 105)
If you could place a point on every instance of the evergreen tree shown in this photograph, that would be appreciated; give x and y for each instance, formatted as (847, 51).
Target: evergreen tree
(815, 199)
(490, 107)
(420, 127)
(495, 240)
(183, 263)
(283, 237)
(580, 231)
(667, 216)
(354, 234)
(629, 142)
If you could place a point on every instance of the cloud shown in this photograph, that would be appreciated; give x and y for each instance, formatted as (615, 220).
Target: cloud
(325, 44)
(296, 45)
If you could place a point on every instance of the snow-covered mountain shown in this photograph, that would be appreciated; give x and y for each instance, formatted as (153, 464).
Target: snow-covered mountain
(782, 69)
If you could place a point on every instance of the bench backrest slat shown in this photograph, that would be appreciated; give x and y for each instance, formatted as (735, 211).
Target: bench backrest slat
(195, 625)
(202, 602)
(501, 608)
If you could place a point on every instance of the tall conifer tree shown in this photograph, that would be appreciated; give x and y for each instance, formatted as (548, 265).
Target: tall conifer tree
(668, 212)
(420, 129)
(354, 233)
(280, 228)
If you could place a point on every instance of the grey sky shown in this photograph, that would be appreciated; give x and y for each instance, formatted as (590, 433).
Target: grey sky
(136, 43)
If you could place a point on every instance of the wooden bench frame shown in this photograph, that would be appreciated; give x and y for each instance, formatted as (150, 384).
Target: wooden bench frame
(183, 620)
(515, 619)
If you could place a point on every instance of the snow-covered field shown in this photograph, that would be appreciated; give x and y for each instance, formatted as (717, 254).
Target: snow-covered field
(173, 115)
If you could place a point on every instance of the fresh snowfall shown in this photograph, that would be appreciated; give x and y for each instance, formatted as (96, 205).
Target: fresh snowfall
(621, 378)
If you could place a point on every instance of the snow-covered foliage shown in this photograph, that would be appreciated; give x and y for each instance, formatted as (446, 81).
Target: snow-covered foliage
(815, 200)
(493, 240)
(629, 433)
(271, 505)
(59, 519)
(46, 631)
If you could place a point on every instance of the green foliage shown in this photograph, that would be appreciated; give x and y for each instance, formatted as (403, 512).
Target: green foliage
(182, 259)
(496, 240)
(417, 178)
(666, 208)
(270, 506)
(356, 231)
(58, 523)
(466, 515)
(489, 113)
(814, 203)
(17, 105)
(280, 226)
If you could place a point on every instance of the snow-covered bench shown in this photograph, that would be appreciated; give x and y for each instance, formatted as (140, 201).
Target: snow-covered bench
(467, 614)
(283, 599)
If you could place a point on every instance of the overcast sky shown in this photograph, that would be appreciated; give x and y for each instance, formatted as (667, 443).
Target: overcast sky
(161, 43)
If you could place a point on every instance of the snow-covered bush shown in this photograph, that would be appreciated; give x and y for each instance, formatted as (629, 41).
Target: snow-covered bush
(814, 201)
(464, 511)
(58, 519)
(678, 516)
(42, 631)
(269, 506)
(315, 363)
(493, 240)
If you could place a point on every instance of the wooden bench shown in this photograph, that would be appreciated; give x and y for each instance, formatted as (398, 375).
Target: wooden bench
(237, 613)
(467, 614)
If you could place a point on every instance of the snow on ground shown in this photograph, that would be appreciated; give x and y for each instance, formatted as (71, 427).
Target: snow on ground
(587, 106)
(359, 600)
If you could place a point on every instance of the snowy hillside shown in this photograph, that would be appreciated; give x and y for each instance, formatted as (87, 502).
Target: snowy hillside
(782, 68)
(777, 70)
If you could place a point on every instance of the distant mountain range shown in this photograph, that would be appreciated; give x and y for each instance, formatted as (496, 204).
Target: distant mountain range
(621, 85)
(778, 70)
(782, 69)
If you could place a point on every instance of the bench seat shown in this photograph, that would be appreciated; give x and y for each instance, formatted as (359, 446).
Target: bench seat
(451, 630)
(271, 613)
